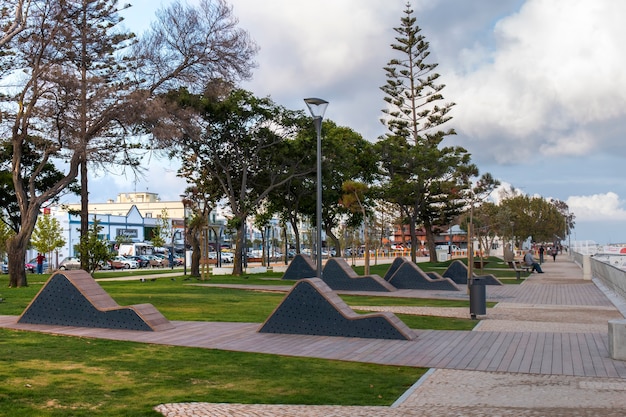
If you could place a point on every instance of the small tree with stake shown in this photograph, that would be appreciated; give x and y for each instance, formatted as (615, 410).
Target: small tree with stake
(47, 236)
(96, 250)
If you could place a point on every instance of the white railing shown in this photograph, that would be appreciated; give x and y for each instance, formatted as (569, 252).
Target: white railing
(611, 276)
(614, 278)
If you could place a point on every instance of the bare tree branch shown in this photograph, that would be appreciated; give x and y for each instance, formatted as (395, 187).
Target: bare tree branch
(19, 22)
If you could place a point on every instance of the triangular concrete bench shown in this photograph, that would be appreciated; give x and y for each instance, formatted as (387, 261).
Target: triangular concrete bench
(395, 265)
(457, 272)
(409, 276)
(301, 266)
(74, 298)
(339, 276)
(313, 308)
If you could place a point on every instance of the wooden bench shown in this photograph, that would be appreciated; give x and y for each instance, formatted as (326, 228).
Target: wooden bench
(518, 267)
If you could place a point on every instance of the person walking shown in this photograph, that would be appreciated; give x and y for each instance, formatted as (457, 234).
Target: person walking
(541, 252)
(529, 260)
(555, 250)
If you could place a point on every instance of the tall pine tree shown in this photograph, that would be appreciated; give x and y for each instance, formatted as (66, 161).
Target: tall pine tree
(424, 179)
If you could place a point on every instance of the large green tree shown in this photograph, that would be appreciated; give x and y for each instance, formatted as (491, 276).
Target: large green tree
(536, 218)
(240, 146)
(355, 199)
(199, 200)
(346, 156)
(425, 179)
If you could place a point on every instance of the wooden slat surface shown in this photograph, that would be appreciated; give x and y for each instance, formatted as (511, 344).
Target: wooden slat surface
(583, 355)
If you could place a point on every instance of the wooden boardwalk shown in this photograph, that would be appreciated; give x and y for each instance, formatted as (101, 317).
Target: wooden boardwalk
(537, 352)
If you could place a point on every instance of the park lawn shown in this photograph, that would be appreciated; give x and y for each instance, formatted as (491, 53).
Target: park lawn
(49, 376)
(198, 303)
(177, 300)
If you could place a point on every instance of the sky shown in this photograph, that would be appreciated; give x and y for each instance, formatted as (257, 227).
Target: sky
(539, 87)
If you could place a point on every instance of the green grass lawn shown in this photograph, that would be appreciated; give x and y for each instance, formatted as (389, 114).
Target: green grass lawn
(47, 375)
(44, 375)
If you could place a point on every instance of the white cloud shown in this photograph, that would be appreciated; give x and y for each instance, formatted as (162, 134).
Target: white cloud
(311, 43)
(580, 142)
(556, 69)
(597, 207)
(605, 207)
(158, 176)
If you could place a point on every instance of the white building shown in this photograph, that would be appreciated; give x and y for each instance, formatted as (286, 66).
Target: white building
(134, 215)
(132, 224)
(148, 204)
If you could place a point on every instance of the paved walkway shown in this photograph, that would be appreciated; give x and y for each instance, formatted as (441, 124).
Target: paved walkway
(542, 351)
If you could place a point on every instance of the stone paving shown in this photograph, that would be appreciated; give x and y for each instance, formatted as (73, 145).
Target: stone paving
(448, 392)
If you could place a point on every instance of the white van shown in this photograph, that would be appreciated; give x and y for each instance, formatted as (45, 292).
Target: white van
(135, 249)
(455, 248)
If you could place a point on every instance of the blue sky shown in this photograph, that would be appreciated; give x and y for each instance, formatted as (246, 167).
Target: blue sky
(539, 87)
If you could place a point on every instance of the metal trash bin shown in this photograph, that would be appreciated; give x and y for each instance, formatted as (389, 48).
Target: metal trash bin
(478, 298)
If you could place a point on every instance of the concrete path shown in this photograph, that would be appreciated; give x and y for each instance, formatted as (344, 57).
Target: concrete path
(542, 351)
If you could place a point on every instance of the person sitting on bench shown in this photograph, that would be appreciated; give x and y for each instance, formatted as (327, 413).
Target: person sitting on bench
(529, 260)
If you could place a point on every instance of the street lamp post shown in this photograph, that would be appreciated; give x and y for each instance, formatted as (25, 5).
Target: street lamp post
(317, 107)
(184, 201)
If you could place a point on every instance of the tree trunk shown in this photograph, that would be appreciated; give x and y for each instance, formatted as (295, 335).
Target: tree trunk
(239, 250)
(193, 241)
(413, 235)
(430, 237)
(265, 253)
(16, 251)
(294, 225)
(286, 257)
(18, 244)
(84, 216)
(335, 240)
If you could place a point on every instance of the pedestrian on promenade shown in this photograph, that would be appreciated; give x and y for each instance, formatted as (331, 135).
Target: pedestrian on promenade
(555, 251)
(40, 259)
(529, 260)
(541, 252)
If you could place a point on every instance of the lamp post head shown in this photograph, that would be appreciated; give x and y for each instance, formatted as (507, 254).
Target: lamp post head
(316, 106)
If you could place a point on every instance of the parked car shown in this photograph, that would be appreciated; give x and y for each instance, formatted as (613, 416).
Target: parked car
(155, 261)
(227, 257)
(142, 261)
(5, 267)
(124, 262)
(71, 262)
